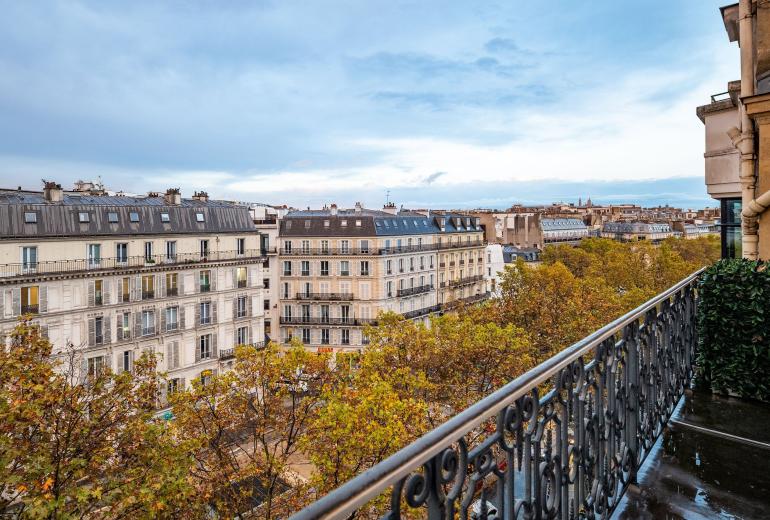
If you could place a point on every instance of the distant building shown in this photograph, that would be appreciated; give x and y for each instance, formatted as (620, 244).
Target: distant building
(635, 231)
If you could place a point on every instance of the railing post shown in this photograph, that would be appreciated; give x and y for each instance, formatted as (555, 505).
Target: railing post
(631, 338)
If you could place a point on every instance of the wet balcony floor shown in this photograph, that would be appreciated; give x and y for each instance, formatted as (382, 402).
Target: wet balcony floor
(713, 461)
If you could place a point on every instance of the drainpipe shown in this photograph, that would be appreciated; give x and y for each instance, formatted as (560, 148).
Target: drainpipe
(743, 139)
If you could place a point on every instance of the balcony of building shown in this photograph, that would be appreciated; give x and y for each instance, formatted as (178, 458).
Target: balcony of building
(326, 321)
(411, 291)
(226, 354)
(425, 311)
(611, 427)
(324, 296)
(9, 272)
(467, 280)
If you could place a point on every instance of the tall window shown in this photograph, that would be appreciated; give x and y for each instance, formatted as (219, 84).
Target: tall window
(98, 292)
(172, 284)
(345, 247)
(125, 361)
(172, 318)
(324, 268)
(29, 258)
(287, 268)
(364, 267)
(325, 247)
(306, 246)
(205, 280)
(286, 290)
(30, 302)
(240, 275)
(365, 246)
(345, 268)
(345, 313)
(242, 336)
(240, 307)
(389, 266)
(148, 252)
(204, 247)
(204, 346)
(205, 313)
(324, 336)
(389, 289)
(730, 228)
(121, 253)
(124, 328)
(94, 255)
(148, 287)
(325, 313)
(345, 340)
(240, 246)
(306, 336)
(171, 251)
(287, 246)
(148, 323)
(305, 268)
(96, 366)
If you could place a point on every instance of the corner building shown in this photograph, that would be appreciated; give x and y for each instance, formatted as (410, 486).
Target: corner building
(115, 276)
(339, 269)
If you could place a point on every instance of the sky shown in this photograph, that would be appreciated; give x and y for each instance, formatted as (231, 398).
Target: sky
(430, 103)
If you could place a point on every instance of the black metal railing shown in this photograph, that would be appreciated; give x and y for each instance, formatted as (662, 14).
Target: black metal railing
(420, 289)
(421, 312)
(229, 353)
(118, 263)
(30, 309)
(392, 250)
(325, 296)
(458, 282)
(321, 320)
(563, 440)
(468, 300)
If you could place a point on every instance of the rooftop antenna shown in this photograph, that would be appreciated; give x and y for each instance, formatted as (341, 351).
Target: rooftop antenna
(387, 197)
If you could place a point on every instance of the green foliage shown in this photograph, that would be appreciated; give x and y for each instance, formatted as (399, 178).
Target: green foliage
(733, 333)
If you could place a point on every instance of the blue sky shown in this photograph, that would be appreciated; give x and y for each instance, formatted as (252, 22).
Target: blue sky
(443, 103)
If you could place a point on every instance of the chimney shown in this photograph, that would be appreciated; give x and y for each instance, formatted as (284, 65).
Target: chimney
(52, 191)
(201, 196)
(333, 210)
(173, 197)
(358, 207)
(390, 207)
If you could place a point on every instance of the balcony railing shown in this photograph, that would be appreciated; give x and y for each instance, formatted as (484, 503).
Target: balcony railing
(30, 309)
(414, 290)
(468, 280)
(319, 320)
(564, 439)
(117, 263)
(468, 300)
(326, 296)
(421, 312)
(392, 250)
(229, 353)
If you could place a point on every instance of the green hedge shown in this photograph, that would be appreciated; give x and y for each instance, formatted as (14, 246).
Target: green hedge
(734, 328)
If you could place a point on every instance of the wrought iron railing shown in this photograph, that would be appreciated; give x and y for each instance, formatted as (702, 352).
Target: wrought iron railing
(391, 250)
(409, 291)
(229, 353)
(563, 440)
(322, 320)
(465, 281)
(118, 263)
(421, 312)
(324, 296)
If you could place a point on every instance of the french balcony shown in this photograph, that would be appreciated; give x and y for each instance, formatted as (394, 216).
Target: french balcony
(324, 296)
(579, 436)
(122, 263)
(30, 309)
(229, 353)
(411, 291)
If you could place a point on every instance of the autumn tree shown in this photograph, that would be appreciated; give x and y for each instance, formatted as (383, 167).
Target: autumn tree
(73, 445)
(248, 423)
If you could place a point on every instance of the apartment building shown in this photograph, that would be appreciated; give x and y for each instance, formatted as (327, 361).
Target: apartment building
(266, 220)
(341, 268)
(114, 276)
(634, 231)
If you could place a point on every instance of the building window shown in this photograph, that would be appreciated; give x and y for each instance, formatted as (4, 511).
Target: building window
(240, 246)
(148, 287)
(99, 330)
(172, 318)
(84, 217)
(389, 266)
(96, 366)
(148, 252)
(345, 313)
(344, 247)
(730, 228)
(389, 290)
(286, 268)
(112, 217)
(204, 346)
(171, 251)
(29, 258)
(125, 289)
(240, 307)
(324, 336)
(345, 268)
(121, 252)
(324, 268)
(205, 313)
(364, 267)
(343, 223)
(30, 217)
(124, 326)
(94, 255)
(148, 323)
(172, 281)
(133, 216)
(242, 336)
(345, 340)
(305, 268)
(241, 276)
(125, 361)
(30, 300)
(266, 283)
(205, 280)
(287, 243)
(364, 245)
(286, 290)
(98, 292)
(164, 217)
(199, 217)
(306, 336)
(266, 304)
(400, 265)
(325, 247)
(204, 247)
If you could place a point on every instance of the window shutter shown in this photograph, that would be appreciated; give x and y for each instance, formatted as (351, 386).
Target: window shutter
(182, 313)
(182, 383)
(161, 286)
(213, 280)
(248, 306)
(131, 360)
(235, 277)
(156, 312)
(214, 305)
(198, 282)
(137, 324)
(214, 338)
(106, 291)
(250, 277)
(91, 293)
(163, 320)
(91, 332)
(176, 354)
(118, 327)
(197, 313)
(180, 284)
(169, 355)
(106, 332)
(235, 307)
(44, 331)
(43, 299)
(163, 395)
(119, 368)
(137, 288)
(2, 304)
(85, 367)
(198, 350)
(248, 335)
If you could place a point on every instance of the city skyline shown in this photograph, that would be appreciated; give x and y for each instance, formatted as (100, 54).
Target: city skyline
(446, 107)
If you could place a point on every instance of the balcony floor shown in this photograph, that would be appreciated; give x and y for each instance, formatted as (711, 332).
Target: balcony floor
(696, 474)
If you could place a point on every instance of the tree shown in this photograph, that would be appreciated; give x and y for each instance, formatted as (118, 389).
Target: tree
(248, 423)
(73, 445)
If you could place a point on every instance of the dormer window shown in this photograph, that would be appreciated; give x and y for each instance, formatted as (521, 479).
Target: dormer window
(164, 217)
(326, 223)
(358, 223)
(199, 217)
(307, 224)
(344, 223)
(112, 217)
(84, 217)
(133, 216)
(30, 217)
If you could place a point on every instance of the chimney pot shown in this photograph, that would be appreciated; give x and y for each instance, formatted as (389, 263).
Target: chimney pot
(173, 197)
(201, 196)
(52, 191)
